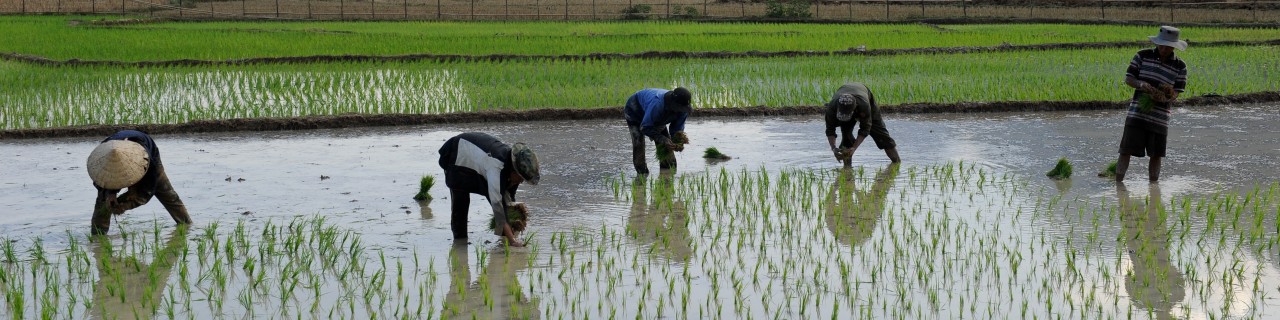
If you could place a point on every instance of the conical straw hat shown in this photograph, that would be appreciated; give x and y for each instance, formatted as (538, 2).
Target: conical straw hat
(117, 164)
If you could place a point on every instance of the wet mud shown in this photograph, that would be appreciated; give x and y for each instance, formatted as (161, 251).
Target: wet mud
(649, 55)
(382, 120)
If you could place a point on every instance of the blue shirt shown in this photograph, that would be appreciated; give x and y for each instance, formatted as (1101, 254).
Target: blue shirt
(646, 109)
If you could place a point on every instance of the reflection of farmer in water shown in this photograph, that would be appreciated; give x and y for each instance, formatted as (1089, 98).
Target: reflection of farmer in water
(852, 214)
(479, 163)
(129, 289)
(659, 219)
(1154, 283)
(853, 104)
(130, 159)
(649, 112)
(498, 274)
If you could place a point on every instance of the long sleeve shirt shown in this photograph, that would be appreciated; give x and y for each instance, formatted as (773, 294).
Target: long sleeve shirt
(647, 109)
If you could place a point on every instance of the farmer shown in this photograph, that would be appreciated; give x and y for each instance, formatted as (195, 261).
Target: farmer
(648, 113)
(853, 104)
(130, 159)
(1157, 76)
(479, 163)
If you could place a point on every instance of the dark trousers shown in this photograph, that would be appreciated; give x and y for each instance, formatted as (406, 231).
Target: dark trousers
(666, 158)
(461, 201)
(136, 197)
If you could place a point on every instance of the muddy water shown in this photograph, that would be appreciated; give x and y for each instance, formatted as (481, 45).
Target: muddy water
(365, 178)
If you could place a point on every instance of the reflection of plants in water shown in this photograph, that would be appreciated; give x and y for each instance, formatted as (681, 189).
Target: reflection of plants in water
(498, 270)
(852, 214)
(1153, 282)
(658, 218)
(952, 241)
(305, 267)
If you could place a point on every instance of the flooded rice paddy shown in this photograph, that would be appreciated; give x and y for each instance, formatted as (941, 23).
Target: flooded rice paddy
(312, 224)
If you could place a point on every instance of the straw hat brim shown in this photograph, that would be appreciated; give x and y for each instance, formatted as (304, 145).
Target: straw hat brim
(117, 164)
(1180, 44)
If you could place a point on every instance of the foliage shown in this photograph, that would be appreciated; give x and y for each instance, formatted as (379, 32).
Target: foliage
(424, 188)
(1060, 171)
(637, 12)
(685, 12)
(791, 9)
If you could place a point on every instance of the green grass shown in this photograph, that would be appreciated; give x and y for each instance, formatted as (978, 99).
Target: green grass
(39, 97)
(55, 38)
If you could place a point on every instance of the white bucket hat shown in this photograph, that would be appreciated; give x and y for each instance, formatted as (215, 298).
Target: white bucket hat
(1169, 37)
(117, 164)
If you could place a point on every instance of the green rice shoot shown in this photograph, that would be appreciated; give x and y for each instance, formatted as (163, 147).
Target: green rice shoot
(424, 188)
(1060, 171)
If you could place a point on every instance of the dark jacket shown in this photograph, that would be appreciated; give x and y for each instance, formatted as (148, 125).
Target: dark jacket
(481, 164)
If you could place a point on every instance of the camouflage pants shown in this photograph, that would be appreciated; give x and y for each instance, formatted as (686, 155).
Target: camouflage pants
(666, 157)
(102, 210)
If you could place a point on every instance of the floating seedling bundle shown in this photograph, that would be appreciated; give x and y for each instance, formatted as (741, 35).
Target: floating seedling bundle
(1060, 171)
(714, 154)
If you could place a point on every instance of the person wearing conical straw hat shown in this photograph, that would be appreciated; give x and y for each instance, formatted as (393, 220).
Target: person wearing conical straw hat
(129, 159)
(479, 163)
(853, 104)
(1157, 77)
(659, 114)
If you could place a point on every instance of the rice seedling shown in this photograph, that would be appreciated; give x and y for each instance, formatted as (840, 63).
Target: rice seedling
(55, 37)
(1062, 170)
(34, 97)
(424, 188)
(1109, 171)
(714, 154)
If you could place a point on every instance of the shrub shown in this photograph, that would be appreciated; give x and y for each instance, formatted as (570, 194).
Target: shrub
(637, 12)
(684, 12)
(793, 9)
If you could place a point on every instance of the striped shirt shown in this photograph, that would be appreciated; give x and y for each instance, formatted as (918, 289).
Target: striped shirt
(1147, 66)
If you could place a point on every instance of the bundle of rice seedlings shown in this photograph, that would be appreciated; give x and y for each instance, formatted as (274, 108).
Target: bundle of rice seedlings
(1060, 171)
(424, 188)
(1109, 171)
(517, 217)
(714, 154)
